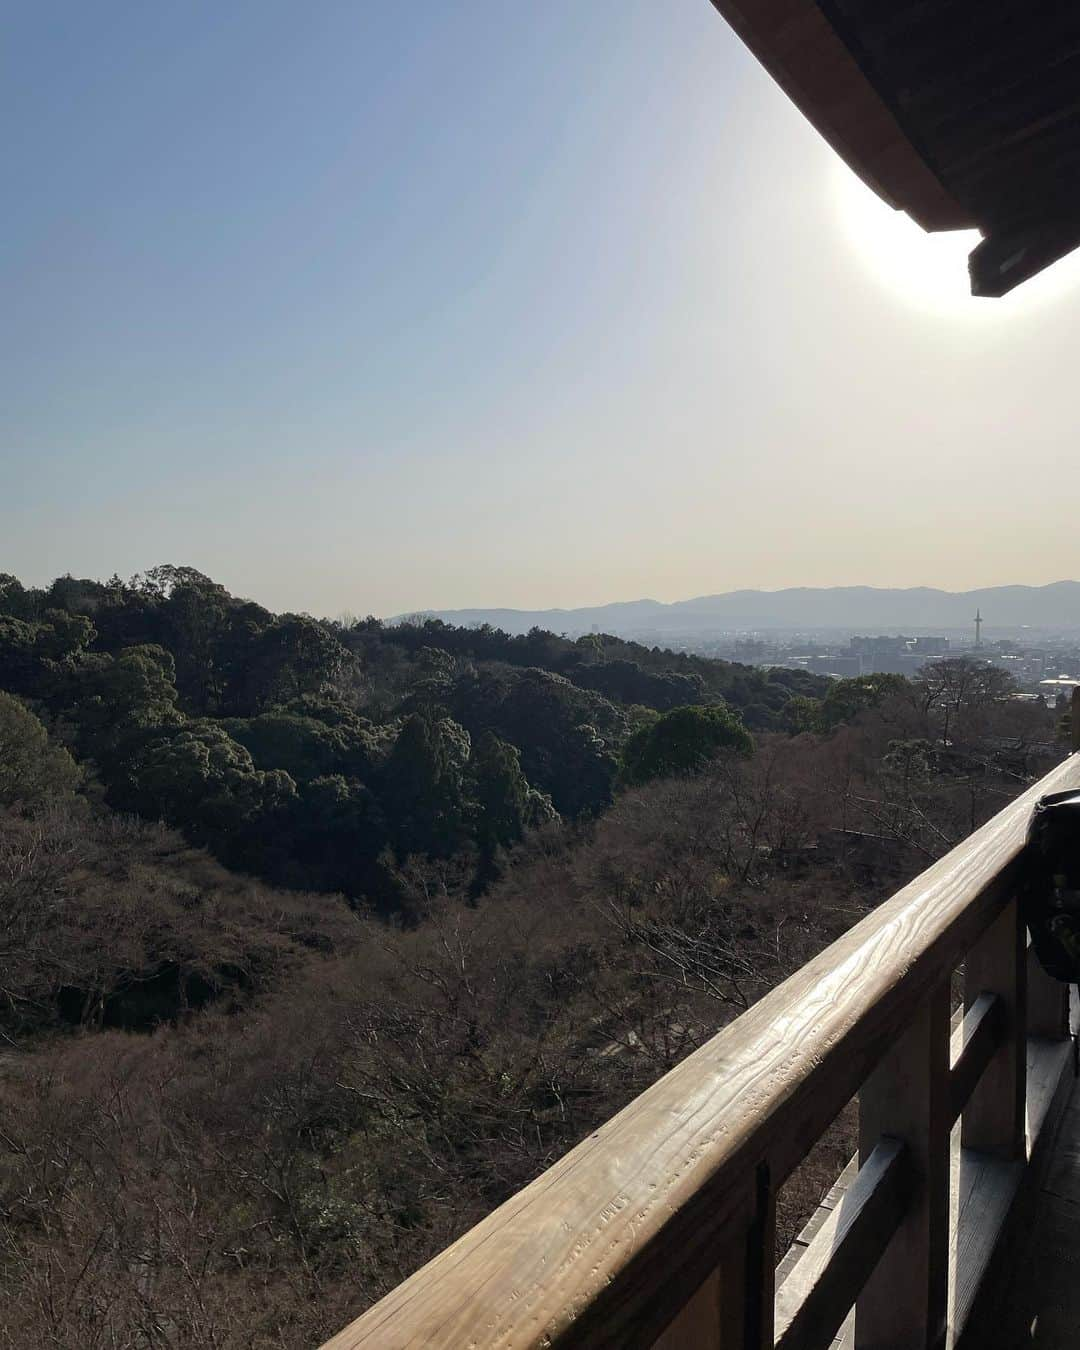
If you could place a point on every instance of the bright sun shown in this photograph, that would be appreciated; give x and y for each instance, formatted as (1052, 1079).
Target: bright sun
(929, 271)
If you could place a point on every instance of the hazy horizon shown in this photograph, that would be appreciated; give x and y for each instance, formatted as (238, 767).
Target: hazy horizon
(373, 309)
(360, 611)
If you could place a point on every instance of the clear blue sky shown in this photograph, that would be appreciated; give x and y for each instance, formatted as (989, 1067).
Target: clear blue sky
(378, 306)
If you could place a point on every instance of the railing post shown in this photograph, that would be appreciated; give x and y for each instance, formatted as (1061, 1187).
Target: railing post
(700, 1324)
(903, 1305)
(734, 1307)
(994, 1117)
(761, 1266)
(716, 1316)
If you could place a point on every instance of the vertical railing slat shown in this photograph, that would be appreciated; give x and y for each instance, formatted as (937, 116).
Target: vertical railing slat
(716, 1317)
(734, 1308)
(993, 1119)
(699, 1323)
(903, 1305)
(761, 1266)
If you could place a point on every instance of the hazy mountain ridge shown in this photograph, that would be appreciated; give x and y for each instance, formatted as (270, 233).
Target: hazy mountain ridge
(1056, 605)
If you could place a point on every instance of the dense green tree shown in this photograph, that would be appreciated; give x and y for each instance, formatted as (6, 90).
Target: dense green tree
(540, 648)
(338, 832)
(629, 682)
(565, 734)
(797, 681)
(307, 747)
(194, 616)
(295, 655)
(736, 684)
(507, 805)
(847, 698)
(367, 743)
(15, 600)
(76, 595)
(63, 637)
(20, 668)
(36, 654)
(683, 741)
(759, 716)
(197, 777)
(801, 714)
(424, 786)
(120, 696)
(31, 770)
(238, 656)
(128, 617)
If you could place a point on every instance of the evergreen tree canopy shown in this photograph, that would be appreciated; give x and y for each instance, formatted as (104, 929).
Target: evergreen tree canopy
(424, 786)
(683, 741)
(507, 805)
(31, 769)
(847, 698)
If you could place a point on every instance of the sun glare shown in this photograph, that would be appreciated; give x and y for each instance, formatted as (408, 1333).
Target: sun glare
(929, 271)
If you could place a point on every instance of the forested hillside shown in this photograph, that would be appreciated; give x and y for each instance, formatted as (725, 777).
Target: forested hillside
(502, 885)
(323, 754)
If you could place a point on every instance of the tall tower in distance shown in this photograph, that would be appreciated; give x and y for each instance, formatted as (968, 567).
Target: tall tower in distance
(978, 629)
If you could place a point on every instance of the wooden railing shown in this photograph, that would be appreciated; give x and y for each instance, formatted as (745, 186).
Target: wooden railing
(658, 1230)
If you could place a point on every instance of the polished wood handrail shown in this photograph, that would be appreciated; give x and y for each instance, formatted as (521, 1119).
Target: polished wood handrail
(653, 1222)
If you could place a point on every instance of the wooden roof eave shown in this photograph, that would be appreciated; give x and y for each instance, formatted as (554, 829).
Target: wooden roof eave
(802, 52)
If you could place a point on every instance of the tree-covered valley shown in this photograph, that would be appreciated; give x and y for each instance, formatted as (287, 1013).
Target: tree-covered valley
(320, 938)
(323, 755)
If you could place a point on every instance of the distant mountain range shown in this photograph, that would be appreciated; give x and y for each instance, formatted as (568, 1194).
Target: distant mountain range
(869, 608)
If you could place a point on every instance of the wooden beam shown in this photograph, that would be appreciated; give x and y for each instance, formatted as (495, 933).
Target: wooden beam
(1002, 261)
(904, 1303)
(817, 1296)
(804, 54)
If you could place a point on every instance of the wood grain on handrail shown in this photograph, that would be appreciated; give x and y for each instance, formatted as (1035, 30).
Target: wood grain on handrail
(610, 1243)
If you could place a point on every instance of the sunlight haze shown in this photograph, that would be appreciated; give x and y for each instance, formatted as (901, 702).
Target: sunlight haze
(373, 307)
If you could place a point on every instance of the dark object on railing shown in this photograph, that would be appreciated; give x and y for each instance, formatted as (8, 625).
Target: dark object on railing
(1050, 891)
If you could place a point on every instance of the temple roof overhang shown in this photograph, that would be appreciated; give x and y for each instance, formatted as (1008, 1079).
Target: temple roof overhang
(963, 113)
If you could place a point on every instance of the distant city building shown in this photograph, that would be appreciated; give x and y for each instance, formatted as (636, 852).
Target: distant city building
(879, 646)
(1060, 685)
(844, 666)
(1028, 657)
